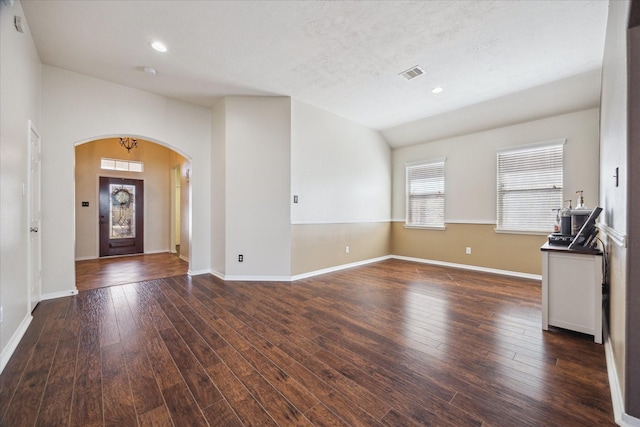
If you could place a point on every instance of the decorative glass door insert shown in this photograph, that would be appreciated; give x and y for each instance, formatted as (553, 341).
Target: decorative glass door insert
(121, 216)
(122, 211)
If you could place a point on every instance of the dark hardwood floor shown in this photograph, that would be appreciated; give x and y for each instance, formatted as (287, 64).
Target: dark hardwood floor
(101, 272)
(389, 344)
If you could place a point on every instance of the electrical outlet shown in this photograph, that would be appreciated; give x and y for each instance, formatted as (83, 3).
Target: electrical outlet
(240, 258)
(295, 199)
(468, 251)
(346, 250)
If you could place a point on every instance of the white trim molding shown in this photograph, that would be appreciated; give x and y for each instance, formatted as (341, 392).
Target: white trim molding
(7, 352)
(297, 276)
(460, 221)
(241, 278)
(216, 274)
(426, 162)
(620, 417)
(426, 227)
(338, 268)
(471, 267)
(471, 221)
(370, 261)
(61, 294)
(337, 222)
(523, 147)
(618, 238)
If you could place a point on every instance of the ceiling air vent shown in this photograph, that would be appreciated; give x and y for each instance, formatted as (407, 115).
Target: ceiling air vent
(412, 72)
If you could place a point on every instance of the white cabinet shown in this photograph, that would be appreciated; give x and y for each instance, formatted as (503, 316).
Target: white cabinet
(572, 290)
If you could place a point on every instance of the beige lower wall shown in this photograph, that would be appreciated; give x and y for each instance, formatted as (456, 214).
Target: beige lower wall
(511, 252)
(318, 246)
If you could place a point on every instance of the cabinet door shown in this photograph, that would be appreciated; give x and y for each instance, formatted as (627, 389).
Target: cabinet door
(572, 292)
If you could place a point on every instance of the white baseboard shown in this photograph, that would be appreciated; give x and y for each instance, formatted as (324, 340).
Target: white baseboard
(184, 258)
(240, 278)
(620, 417)
(61, 294)
(337, 268)
(7, 352)
(217, 274)
(249, 278)
(197, 272)
(368, 261)
(158, 251)
(471, 267)
(628, 421)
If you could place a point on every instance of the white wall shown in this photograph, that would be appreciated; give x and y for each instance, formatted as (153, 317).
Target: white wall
(340, 170)
(257, 186)
(470, 169)
(615, 200)
(614, 118)
(77, 108)
(218, 185)
(20, 73)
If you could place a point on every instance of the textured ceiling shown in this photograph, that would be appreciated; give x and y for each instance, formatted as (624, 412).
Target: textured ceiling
(340, 56)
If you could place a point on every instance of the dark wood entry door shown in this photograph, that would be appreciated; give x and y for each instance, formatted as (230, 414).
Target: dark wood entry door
(121, 216)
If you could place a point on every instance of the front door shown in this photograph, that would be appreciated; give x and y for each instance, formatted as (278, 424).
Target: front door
(121, 216)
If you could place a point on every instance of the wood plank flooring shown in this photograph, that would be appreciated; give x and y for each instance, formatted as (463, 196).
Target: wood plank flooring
(389, 344)
(101, 272)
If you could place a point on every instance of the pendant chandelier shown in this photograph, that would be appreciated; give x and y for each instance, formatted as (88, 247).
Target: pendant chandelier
(129, 143)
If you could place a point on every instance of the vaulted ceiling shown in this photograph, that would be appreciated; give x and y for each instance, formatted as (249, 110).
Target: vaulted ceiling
(342, 56)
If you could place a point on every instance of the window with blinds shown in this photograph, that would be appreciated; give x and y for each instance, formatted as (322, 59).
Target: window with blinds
(529, 187)
(425, 194)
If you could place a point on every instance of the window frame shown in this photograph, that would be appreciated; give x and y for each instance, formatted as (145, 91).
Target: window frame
(541, 191)
(441, 194)
(120, 165)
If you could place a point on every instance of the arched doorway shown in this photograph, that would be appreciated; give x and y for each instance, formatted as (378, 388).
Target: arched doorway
(160, 169)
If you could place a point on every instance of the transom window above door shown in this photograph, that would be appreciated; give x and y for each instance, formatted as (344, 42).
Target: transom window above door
(121, 165)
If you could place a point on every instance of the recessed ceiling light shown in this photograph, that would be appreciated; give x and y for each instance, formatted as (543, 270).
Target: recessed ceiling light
(437, 89)
(158, 46)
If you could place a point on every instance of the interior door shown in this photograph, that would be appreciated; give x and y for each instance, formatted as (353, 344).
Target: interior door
(121, 219)
(34, 192)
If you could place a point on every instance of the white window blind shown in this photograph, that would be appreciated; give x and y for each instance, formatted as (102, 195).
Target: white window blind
(529, 187)
(425, 194)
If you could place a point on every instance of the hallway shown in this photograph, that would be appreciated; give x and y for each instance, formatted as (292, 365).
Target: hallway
(103, 272)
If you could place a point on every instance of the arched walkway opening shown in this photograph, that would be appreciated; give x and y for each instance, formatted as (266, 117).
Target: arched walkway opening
(105, 220)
